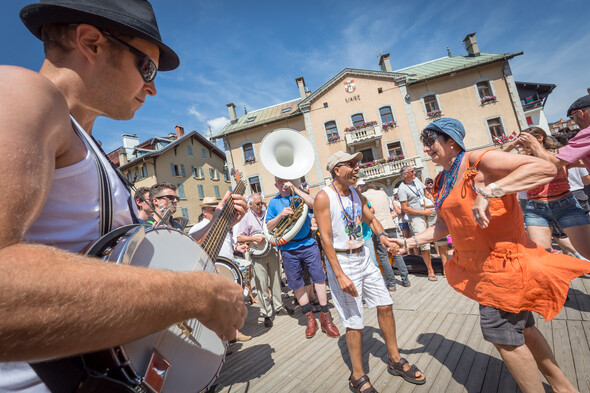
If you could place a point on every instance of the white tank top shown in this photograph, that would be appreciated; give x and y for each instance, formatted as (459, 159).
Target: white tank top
(347, 232)
(69, 220)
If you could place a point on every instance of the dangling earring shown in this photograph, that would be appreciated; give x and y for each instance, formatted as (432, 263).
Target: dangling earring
(451, 147)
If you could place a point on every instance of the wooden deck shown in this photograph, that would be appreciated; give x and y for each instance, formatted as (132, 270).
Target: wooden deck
(437, 329)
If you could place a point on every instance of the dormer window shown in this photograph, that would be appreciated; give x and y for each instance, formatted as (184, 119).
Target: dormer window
(286, 110)
(250, 119)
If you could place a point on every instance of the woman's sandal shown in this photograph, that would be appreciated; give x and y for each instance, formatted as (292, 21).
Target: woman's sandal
(397, 368)
(355, 385)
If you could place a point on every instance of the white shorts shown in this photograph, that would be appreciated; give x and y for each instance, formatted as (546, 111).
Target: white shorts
(369, 285)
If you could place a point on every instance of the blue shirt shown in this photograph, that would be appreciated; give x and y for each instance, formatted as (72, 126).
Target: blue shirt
(275, 207)
(366, 228)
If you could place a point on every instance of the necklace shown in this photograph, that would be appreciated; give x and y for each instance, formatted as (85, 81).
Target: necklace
(447, 181)
(348, 219)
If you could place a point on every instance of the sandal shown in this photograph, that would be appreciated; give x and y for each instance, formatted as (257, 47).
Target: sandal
(397, 368)
(432, 277)
(355, 385)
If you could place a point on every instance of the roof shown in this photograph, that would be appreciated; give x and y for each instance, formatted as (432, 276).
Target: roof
(446, 65)
(178, 141)
(262, 116)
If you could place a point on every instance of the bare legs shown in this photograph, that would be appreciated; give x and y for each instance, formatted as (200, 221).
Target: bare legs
(525, 361)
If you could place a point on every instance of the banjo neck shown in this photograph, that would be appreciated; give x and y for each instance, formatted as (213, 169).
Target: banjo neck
(213, 241)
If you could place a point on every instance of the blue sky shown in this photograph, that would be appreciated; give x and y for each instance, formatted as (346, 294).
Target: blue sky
(250, 52)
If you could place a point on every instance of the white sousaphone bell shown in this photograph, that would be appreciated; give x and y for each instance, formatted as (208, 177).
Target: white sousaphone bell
(289, 155)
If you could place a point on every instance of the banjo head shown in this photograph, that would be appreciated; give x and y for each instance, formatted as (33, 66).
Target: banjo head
(194, 352)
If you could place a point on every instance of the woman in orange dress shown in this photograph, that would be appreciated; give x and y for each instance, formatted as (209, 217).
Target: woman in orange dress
(494, 262)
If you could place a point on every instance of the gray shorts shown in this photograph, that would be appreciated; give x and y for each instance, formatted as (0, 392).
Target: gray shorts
(502, 327)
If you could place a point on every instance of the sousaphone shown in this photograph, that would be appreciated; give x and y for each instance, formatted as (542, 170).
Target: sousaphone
(287, 154)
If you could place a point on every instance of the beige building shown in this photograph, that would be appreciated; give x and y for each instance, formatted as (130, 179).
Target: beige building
(192, 163)
(381, 113)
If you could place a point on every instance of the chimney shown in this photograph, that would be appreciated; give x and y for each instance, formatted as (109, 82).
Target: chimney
(232, 112)
(122, 156)
(179, 131)
(301, 84)
(384, 63)
(129, 143)
(471, 45)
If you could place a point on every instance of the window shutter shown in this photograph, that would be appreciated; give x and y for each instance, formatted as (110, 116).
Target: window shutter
(182, 170)
(180, 188)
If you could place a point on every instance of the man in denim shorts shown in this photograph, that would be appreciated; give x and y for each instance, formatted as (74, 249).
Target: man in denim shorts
(301, 250)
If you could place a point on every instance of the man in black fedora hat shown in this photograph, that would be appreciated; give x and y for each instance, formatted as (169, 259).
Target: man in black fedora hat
(101, 58)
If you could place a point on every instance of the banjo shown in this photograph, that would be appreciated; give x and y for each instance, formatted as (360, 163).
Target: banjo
(184, 358)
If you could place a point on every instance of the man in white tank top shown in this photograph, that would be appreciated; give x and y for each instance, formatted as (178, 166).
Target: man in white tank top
(352, 275)
(55, 302)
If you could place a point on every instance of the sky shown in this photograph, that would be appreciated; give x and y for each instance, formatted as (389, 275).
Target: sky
(250, 52)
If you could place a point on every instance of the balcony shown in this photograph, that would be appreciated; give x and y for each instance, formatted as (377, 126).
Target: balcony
(363, 135)
(389, 169)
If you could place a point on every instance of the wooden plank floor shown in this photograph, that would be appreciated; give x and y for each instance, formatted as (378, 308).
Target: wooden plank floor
(437, 329)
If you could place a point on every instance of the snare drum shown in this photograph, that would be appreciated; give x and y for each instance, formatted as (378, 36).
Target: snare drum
(245, 267)
(229, 269)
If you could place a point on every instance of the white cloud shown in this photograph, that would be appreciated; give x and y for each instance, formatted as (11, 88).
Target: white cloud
(194, 112)
(217, 124)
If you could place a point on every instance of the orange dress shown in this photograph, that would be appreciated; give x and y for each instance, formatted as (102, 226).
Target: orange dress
(500, 266)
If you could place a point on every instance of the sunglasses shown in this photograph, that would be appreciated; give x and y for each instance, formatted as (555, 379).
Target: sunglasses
(428, 137)
(350, 164)
(571, 116)
(172, 198)
(258, 204)
(147, 68)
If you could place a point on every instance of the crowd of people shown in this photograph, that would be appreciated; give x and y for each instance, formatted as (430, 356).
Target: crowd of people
(502, 259)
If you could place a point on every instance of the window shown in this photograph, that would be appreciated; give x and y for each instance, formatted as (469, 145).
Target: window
(201, 192)
(217, 174)
(331, 131)
(204, 153)
(201, 173)
(180, 190)
(285, 110)
(211, 174)
(325, 104)
(136, 175)
(225, 174)
(386, 114)
(250, 119)
(194, 171)
(254, 182)
(367, 155)
(395, 150)
(495, 127)
(144, 171)
(248, 152)
(357, 119)
(175, 169)
(182, 170)
(190, 150)
(184, 211)
(484, 89)
(129, 177)
(431, 104)
(216, 189)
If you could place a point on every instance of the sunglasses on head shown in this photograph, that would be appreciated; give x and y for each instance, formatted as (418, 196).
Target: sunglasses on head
(172, 198)
(147, 68)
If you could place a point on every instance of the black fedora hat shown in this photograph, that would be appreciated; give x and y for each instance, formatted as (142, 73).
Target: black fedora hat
(132, 17)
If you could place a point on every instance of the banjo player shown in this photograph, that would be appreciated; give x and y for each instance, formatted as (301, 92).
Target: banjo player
(101, 60)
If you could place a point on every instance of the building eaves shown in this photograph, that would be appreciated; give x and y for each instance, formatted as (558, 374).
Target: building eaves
(398, 77)
(153, 154)
(447, 65)
(260, 117)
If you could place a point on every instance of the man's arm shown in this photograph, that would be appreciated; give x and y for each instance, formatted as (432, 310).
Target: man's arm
(54, 303)
(377, 228)
(308, 199)
(322, 214)
(408, 210)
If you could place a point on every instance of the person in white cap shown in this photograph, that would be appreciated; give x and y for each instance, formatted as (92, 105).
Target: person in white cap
(352, 275)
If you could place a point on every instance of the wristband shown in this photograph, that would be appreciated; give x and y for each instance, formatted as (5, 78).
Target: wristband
(406, 244)
(382, 234)
(417, 244)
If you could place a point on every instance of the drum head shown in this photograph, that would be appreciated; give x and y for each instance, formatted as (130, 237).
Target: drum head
(229, 270)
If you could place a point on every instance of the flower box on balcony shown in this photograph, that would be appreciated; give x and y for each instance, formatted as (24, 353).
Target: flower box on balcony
(434, 114)
(389, 125)
(381, 161)
(360, 126)
(488, 99)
